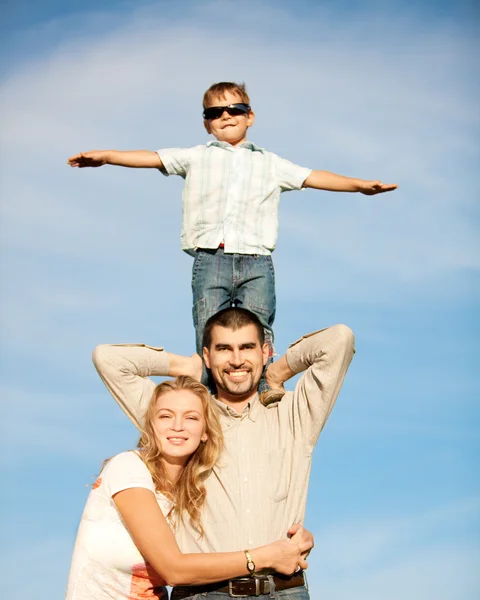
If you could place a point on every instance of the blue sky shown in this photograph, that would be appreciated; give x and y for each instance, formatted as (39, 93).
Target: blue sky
(376, 90)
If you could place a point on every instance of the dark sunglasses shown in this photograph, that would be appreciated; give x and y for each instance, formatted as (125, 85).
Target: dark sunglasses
(234, 110)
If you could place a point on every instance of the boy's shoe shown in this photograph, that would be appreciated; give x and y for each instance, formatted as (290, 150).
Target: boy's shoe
(270, 396)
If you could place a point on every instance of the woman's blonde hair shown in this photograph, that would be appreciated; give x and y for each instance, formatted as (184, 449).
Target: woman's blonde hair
(188, 492)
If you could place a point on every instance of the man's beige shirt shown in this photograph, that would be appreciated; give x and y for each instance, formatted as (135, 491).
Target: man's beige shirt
(259, 488)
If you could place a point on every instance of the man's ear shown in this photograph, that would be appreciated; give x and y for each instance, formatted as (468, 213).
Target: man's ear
(265, 353)
(206, 124)
(206, 357)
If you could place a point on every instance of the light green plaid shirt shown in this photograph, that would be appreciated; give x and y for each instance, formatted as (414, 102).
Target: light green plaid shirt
(231, 195)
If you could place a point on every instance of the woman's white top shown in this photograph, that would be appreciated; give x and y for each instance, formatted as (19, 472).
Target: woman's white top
(106, 564)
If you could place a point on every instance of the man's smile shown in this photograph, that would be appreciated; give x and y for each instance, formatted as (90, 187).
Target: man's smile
(238, 374)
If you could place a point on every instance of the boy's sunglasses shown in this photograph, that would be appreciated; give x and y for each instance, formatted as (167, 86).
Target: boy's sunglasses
(234, 110)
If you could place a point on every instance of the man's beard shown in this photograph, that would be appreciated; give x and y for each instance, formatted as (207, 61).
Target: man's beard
(242, 388)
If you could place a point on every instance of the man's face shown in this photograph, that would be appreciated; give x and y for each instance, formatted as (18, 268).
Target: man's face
(229, 128)
(236, 360)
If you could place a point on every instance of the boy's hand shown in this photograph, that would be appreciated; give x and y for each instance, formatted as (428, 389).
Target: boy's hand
(370, 188)
(95, 158)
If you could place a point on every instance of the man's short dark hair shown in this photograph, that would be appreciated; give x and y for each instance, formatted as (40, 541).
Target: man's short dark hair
(232, 318)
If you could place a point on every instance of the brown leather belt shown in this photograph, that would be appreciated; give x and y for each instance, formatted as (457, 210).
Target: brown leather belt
(242, 587)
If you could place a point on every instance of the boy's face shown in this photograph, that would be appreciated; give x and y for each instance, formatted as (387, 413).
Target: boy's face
(228, 128)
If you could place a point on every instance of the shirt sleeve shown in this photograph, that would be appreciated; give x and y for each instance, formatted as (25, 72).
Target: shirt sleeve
(125, 471)
(126, 370)
(176, 161)
(288, 175)
(325, 357)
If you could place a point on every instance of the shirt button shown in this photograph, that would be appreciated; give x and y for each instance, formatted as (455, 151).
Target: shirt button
(247, 511)
(245, 479)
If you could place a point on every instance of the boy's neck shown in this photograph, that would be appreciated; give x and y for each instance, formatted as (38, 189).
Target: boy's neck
(234, 144)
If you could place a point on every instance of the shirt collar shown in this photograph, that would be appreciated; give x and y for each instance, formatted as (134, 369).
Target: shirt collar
(250, 409)
(226, 146)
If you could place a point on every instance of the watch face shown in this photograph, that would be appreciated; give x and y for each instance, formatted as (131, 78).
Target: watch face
(250, 566)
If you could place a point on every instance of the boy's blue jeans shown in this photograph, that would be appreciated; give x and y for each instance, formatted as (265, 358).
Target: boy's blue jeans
(221, 280)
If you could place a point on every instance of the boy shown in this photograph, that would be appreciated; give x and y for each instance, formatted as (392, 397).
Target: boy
(230, 206)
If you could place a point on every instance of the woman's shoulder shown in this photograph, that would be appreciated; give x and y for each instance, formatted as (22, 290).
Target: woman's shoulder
(125, 463)
(126, 470)
(128, 456)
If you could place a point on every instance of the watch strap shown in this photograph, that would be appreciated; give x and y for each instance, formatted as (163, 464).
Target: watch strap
(250, 563)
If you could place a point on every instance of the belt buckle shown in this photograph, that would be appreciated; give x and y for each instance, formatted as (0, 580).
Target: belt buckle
(232, 594)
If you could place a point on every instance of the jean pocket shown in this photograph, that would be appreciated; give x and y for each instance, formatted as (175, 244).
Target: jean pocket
(197, 261)
(271, 268)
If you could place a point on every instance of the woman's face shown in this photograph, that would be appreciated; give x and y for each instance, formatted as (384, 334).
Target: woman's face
(179, 425)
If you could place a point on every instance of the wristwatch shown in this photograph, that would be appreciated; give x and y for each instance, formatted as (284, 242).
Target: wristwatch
(250, 563)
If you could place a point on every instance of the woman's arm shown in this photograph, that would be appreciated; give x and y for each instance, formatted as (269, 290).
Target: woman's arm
(154, 539)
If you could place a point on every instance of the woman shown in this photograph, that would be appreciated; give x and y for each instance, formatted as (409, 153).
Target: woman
(125, 548)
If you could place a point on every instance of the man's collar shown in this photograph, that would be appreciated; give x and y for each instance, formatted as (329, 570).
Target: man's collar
(226, 146)
(250, 408)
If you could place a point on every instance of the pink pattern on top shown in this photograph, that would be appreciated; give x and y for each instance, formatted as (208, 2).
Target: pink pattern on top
(146, 584)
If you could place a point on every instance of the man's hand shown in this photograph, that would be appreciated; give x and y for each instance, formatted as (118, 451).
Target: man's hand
(95, 158)
(370, 188)
(185, 365)
(277, 373)
(195, 367)
(303, 537)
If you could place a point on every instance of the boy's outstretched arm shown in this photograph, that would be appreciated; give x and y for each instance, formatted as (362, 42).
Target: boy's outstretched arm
(323, 180)
(140, 159)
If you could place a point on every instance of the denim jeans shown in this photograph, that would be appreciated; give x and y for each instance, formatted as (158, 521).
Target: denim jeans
(297, 593)
(221, 280)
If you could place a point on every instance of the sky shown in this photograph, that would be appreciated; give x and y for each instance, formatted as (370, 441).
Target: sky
(385, 90)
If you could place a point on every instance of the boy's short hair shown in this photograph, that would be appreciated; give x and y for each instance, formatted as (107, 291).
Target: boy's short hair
(232, 318)
(218, 90)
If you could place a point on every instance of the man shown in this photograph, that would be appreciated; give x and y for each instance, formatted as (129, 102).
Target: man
(260, 486)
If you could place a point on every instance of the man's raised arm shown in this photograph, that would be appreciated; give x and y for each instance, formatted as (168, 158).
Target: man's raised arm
(126, 370)
(325, 357)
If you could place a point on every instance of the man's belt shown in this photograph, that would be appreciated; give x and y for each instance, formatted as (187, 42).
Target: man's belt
(242, 587)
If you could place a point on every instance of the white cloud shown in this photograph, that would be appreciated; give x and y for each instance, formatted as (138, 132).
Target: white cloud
(93, 256)
(346, 109)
